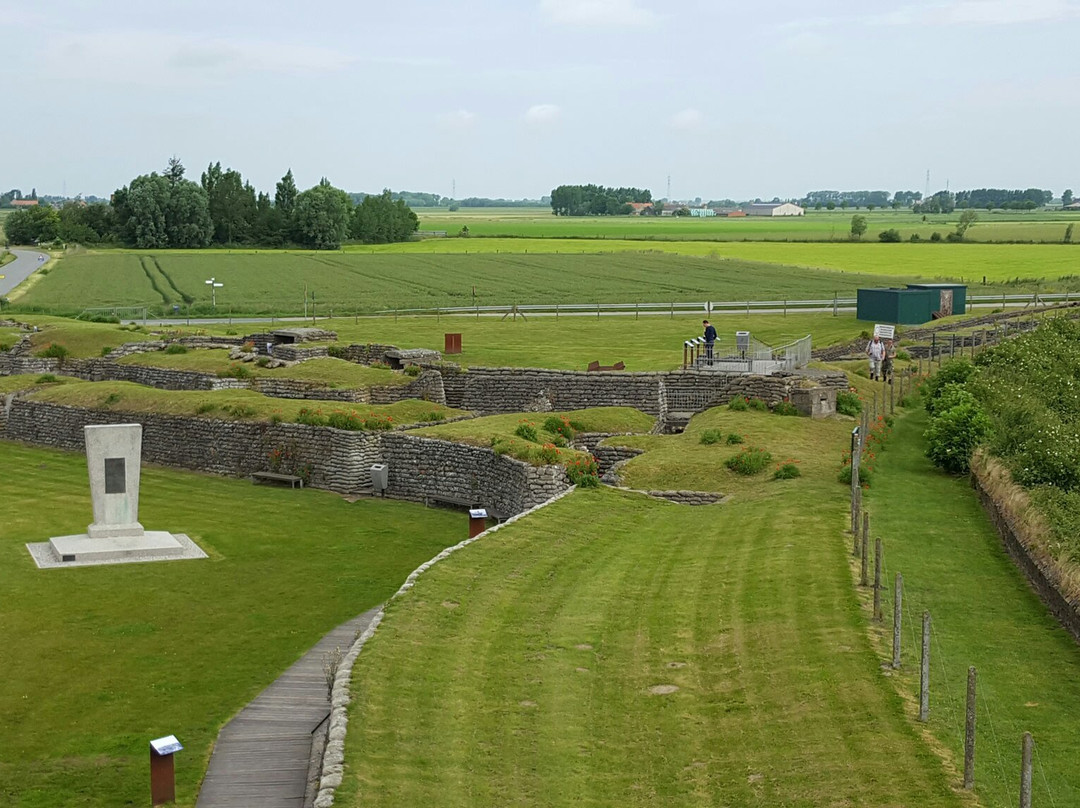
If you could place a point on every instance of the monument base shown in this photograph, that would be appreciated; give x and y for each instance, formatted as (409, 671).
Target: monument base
(96, 531)
(81, 550)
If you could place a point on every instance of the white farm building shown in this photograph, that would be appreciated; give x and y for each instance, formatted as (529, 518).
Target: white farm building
(774, 209)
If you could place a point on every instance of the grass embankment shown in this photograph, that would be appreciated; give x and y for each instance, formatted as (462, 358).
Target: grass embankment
(684, 462)
(328, 372)
(224, 404)
(31, 381)
(85, 340)
(500, 431)
(6, 257)
(984, 614)
(540, 667)
(98, 660)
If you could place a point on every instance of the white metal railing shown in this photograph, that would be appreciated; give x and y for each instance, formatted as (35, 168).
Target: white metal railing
(755, 357)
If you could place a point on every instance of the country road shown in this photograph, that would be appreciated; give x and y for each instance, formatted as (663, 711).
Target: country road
(26, 261)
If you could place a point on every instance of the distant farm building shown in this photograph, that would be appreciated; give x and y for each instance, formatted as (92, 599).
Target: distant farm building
(638, 208)
(1073, 206)
(735, 214)
(774, 209)
(702, 212)
(24, 203)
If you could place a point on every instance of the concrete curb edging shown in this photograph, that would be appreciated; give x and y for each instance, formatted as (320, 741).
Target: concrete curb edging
(333, 764)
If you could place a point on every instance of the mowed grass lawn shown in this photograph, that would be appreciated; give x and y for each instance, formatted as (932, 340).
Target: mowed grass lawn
(409, 277)
(984, 614)
(613, 650)
(99, 660)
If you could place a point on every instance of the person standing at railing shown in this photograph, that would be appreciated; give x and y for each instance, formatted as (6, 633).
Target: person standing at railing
(710, 338)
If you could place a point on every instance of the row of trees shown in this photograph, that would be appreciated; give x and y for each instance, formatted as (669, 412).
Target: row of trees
(168, 211)
(991, 198)
(595, 200)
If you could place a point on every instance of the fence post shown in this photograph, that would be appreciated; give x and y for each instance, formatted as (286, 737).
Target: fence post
(835, 311)
(892, 397)
(1025, 770)
(556, 311)
(864, 571)
(877, 580)
(924, 670)
(969, 732)
(897, 616)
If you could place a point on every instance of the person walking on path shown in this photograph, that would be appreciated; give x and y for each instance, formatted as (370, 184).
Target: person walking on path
(710, 338)
(876, 351)
(887, 361)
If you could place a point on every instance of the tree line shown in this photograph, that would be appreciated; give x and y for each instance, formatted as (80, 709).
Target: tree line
(1002, 198)
(595, 200)
(169, 211)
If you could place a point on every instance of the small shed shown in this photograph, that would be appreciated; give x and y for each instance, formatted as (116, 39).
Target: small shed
(952, 297)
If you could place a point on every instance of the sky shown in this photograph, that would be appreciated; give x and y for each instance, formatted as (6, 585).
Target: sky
(510, 98)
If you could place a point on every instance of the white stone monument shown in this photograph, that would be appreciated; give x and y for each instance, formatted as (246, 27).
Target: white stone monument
(114, 461)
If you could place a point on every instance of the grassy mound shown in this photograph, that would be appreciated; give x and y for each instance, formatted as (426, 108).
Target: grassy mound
(328, 372)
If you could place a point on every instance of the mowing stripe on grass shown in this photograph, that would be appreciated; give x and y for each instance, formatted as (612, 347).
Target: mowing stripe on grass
(612, 650)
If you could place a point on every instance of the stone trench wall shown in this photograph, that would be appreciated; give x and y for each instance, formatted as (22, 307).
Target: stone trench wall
(420, 469)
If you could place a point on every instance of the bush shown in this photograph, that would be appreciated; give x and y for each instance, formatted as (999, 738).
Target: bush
(787, 471)
(785, 408)
(549, 453)
(955, 371)
(738, 404)
(263, 361)
(236, 371)
(866, 475)
(54, 351)
(205, 407)
(106, 350)
(339, 419)
(848, 403)
(711, 436)
(890, 236)
(380, 365)
(336, 351)
(734, 439)
(949, 396)
(433, 416)
(110, 399)
(559, 441)
(758, 404)
(310, 417)
(903, 356)
(176, 348)
(46, 378)
(527, 431)
(935, 236)
(240, 410)
(584, 472)
(749, 461)
(413, 370)
(954, 434)
(559, 425)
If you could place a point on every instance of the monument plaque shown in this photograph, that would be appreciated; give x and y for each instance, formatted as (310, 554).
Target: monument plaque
(114, 475)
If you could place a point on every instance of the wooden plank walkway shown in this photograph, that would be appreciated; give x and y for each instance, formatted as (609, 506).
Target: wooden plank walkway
(263, 756)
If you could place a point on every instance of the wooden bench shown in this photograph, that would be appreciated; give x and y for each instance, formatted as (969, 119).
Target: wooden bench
(275, 477)
(595, 367)
(457, 502)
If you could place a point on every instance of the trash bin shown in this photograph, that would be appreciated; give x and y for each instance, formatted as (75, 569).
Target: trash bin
(379, 477)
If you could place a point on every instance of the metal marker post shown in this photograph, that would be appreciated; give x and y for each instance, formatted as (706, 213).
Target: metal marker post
(897, 614)
(924, 670)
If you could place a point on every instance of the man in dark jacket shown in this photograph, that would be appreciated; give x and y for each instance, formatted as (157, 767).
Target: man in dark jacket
(710, 338)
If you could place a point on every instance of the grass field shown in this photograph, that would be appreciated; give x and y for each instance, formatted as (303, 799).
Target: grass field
(357, 282)
(329, 372)
(617, 651)
(822, 225)
(99, 660)
(984, 614)
(220, 404)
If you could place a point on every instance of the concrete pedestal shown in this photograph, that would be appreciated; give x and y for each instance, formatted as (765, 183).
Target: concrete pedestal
(83, 547)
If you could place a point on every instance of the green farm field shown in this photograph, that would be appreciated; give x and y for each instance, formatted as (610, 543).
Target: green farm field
(1000, 226)
(274, 282)
(99, 659)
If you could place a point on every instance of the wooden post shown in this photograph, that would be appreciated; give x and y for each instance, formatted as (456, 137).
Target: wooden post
(969, 732)
(924, 670)
(892, 397)
(864, 571)
(1025, 770)
(897, 616)
(877, 580)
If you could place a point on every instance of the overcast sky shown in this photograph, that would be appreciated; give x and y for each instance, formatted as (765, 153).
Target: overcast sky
(513, 97)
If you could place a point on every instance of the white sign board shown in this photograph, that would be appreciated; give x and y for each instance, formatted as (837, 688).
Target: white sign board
(478, 513)
(885, 331)
(166, 745)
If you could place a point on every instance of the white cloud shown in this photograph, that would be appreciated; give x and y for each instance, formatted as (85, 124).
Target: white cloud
(983, 12)
(687, 119)
(542, 114)
(597, 12)
(458, 119)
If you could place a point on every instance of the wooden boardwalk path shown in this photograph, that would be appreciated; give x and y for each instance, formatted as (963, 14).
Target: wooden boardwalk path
(264, 755)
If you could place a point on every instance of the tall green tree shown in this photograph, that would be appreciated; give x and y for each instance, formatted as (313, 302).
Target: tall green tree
(380, 219)
(32, 225)
(155, 212)
(858, 226)
(1067, 196)
(286, 193)
(321, 216)
(232, 204)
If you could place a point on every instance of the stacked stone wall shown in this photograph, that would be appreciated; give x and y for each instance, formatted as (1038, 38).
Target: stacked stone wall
(363, 354)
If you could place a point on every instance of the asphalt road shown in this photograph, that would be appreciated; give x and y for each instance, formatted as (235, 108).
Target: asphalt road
(24, 265)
